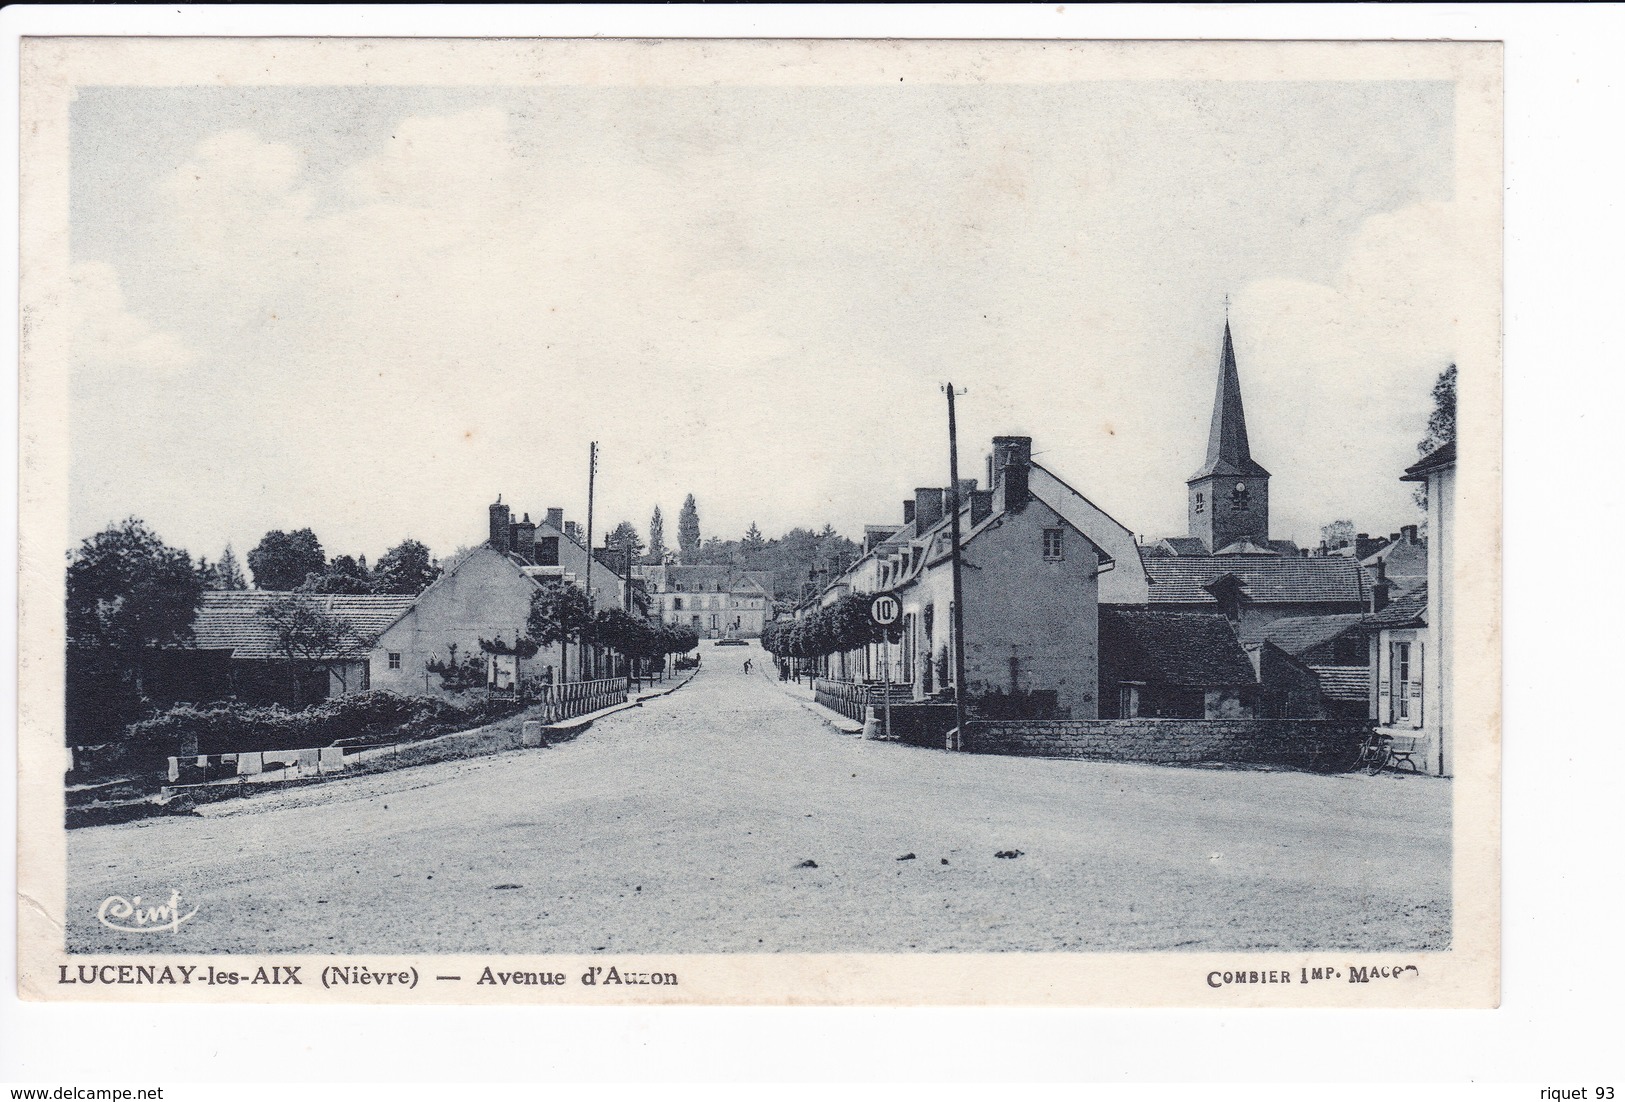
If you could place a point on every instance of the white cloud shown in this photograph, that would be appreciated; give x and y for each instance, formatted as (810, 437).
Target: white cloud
(1337, 375)
(106, 335)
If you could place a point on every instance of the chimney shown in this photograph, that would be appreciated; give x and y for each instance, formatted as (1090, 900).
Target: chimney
(1409, 532)
(1380, 588)
(908, 511)
(522, 538)
(555, 519)
(981, 506)
(927, 507)
(499, 525)
(1011, 457)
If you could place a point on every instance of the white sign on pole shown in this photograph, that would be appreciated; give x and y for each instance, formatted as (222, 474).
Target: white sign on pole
(885, 610)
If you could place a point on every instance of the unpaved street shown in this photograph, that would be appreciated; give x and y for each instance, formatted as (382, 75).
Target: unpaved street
(683, 825)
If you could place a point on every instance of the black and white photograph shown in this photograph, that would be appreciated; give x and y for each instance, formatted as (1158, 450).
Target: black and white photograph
(760, 522)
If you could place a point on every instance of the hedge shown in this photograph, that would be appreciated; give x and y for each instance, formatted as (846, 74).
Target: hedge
(230, 727)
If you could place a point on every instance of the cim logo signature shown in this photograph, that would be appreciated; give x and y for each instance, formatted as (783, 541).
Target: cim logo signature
(130, 917)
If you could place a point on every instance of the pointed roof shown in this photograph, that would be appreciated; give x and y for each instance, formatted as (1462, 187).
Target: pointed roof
(1227, 451)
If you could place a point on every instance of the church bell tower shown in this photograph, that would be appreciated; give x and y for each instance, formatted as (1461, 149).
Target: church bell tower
(1229, 498)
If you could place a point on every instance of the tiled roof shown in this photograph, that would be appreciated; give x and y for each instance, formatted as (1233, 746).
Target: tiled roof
(1350, 683)
(1409, 609)
(1265, 579)
(231, 620)
(1442, 456)
(1297, 634)
(1189, 649)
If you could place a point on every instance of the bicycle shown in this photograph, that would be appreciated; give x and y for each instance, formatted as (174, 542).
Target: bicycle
(1373, 753)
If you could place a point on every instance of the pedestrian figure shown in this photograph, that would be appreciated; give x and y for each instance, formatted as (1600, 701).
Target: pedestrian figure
(747, 665)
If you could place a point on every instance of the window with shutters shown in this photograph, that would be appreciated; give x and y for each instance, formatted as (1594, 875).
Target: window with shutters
(1052, 544)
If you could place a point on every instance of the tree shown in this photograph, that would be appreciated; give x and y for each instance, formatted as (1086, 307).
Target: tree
(559, 613)
(1442, 421)
(657, 538)
(343, 575)
(753, 544)
(283, 560)
(128, 593)
(227, 573)
(311, 639)
(405, 569)
(688, 529)
(1339, 533)
(1441, 425)
(625, 540)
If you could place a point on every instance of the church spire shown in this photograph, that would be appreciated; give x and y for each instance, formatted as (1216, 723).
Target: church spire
(1228, 453)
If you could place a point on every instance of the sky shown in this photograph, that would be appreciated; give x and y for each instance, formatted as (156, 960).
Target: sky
(369, 311)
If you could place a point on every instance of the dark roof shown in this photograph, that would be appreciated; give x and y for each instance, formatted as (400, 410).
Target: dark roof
(1265, 579)
(1227, 449)
(1409, 609)
(1442, 456)
(1297, 634)
(1348, 683)
(1188, 649)
(230, 620)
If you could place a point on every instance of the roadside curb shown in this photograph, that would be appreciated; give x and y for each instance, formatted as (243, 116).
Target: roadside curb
(835, 719)
(573, 727)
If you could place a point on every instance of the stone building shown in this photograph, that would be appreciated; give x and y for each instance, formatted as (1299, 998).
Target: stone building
(1034, 552)
(712, 601)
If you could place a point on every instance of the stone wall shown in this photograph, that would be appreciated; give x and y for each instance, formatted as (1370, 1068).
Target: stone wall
(1321, 745)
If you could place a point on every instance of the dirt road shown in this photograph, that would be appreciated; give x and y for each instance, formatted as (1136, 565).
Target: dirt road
(688, 825)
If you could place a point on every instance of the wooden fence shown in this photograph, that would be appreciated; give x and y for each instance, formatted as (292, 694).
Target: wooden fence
(852, 698)
(576, 698)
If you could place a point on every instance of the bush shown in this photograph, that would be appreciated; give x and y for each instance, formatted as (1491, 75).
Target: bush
(377, 716)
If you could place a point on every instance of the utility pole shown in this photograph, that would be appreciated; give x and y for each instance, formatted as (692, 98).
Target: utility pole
(592, 478)
(959, 588)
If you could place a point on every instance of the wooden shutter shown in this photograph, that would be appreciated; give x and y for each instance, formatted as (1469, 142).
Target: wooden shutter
(1416, 683)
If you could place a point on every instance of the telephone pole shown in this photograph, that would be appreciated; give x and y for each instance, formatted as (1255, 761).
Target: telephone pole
(592, 478)
(959, 588)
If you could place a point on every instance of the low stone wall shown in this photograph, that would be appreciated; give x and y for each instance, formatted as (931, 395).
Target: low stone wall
(1314, 744)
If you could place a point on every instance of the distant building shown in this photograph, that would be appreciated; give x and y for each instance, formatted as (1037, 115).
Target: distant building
(712, 601)
(1334, 648)
(235, 651)
(1253, 590)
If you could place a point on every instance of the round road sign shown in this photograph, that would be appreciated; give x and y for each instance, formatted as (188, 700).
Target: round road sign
(885, 610)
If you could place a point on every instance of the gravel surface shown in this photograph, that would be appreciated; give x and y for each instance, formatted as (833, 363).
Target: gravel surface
(728, 818)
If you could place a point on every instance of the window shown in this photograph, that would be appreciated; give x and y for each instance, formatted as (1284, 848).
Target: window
(366, 674)
(677, 603)
(1238, 497)
(1201, 505)
(1402, 680)
(547, 551)
(1052, 543)
(394, 659)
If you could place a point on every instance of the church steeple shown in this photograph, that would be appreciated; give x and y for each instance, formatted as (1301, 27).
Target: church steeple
(1229, 495)
(1227, 450)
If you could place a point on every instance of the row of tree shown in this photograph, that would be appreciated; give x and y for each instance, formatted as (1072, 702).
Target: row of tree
(843, 626)
(296, 561)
